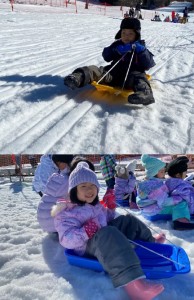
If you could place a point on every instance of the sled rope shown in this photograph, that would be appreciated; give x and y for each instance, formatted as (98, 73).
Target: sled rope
(133, 47)
(112, 68)
(157, 253)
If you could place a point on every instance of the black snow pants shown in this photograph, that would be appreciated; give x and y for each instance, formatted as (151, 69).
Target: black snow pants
(136, 81)
(111, 247)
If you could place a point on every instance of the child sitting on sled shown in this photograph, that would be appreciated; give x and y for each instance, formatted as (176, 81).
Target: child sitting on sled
(125, 185)
(89, 228)
(154, 196)
(128, 56)
(181, 190)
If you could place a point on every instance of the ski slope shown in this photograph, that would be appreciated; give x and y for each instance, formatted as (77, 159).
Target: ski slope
(40, 45)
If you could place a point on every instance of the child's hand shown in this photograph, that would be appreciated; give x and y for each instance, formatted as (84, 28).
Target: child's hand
(138, 47)
(122, 49)
(91, 228)
(109, 200)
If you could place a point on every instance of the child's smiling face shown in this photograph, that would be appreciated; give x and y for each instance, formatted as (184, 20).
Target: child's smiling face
(128, 36)
(87, 192)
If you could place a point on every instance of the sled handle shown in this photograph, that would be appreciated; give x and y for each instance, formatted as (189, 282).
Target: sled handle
(175, 262)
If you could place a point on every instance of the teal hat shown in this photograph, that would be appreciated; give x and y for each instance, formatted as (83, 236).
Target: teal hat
(152, 165)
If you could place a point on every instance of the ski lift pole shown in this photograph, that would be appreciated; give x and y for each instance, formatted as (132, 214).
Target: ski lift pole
(133, 48)
(111, 68)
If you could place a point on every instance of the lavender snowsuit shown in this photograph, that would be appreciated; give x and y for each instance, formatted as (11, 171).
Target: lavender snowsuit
(69, 224)
(57, 187)
(124, 186)
(44, 170)
(109, 244)
(153, 196)
(181, 190)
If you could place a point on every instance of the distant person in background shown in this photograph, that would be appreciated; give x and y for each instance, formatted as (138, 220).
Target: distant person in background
(185, 15)
(16, 158)
(137, 10)
(49, 164)
(107, 166)
(33, 161)
(131, 12)
(167, 19)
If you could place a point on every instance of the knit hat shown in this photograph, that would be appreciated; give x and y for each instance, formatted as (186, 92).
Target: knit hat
(62, 158)
(82, 174)
(178, 165)
(152, 165)
(130, 23)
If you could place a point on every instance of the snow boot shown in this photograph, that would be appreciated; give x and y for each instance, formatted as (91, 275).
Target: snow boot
(142, 91)
(141, 98)
(74, 80)
(177, 225)
(141, 289)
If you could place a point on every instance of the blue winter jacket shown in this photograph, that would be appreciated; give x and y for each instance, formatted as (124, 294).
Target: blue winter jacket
(141, 62)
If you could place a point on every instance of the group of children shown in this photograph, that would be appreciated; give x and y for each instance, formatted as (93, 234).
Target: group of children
(89, 227)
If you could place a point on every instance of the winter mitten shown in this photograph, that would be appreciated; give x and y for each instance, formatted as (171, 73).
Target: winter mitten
(91, 228)
(138, 47)
(122, 49)
(132, 165)
(109, 199)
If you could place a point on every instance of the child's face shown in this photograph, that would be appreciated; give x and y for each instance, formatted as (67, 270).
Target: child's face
(87, 192)
(161, 173)
(61, 165)
(128, 36)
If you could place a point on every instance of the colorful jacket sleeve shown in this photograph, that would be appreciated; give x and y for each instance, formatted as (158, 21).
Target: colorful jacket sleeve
(124, 186)
(71, 233)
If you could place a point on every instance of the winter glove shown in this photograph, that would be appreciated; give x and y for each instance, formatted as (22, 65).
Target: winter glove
(109, 200)
(91, 228)
(122, 49)
(138, 47)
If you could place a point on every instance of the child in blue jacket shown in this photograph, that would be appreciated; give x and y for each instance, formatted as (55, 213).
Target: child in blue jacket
(127, 50)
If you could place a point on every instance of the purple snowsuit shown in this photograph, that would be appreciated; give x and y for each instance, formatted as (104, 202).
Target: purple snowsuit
(153, 196)
(180, 190)
(56, 187)
(124, 186)
(109, 244)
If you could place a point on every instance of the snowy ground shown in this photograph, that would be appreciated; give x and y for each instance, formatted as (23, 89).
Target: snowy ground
(32, 264)
(40, 45)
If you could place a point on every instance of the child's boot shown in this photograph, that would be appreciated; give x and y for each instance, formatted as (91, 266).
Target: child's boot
(74, 80)
(183, 224)
(143, 92)
(140, 289)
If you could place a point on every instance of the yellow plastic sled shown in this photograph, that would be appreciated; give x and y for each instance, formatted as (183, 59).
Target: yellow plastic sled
(114, 90)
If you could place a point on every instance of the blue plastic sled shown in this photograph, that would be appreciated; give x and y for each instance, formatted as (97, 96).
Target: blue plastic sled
(160, 217)
(157, 217)
(153, 265)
